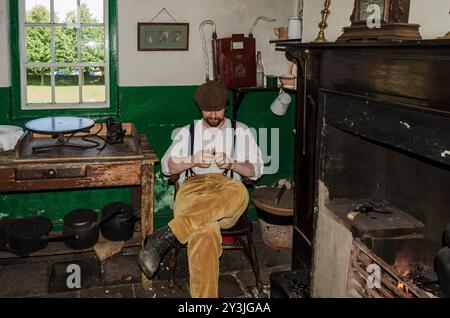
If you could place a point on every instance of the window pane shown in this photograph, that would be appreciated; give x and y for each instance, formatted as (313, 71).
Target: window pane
(91, 11)
(67, 89)
(94, 89)
(38, 85)
(66, 44)
(37, 10)
(92, 44)
(38, 44)
(66, 11)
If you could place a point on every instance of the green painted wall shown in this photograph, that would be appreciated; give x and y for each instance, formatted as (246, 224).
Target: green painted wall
(155, 111)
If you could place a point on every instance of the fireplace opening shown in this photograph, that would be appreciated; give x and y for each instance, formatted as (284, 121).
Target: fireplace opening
(397, 204)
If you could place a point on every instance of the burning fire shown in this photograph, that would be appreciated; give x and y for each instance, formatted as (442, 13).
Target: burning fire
(400, 285)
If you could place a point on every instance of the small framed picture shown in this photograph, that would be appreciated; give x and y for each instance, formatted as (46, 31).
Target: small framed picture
(163, 36)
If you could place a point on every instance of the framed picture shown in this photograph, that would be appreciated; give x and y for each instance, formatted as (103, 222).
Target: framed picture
(163, 36)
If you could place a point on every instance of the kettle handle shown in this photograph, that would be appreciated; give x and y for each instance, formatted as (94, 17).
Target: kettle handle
(109, 217)
(132, 218)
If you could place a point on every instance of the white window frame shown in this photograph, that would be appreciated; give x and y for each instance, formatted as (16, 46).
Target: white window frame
(53, 65)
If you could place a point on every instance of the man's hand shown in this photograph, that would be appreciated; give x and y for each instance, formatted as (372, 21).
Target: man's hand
(222, 161)
(203, 159)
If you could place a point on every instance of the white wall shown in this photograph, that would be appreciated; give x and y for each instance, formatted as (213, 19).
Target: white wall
(433, 17)
(5, 75)
(231, 16)
(187, 67)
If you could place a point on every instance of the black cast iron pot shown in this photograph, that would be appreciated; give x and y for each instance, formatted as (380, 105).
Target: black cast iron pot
(27, 235)
(83, 223)
(30, 234)
(84, 226)
(119, 221)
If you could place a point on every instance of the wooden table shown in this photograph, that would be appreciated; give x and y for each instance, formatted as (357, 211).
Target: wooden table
(56, 173)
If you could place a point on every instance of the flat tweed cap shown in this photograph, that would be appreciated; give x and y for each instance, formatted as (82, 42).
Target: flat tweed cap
(211, 96)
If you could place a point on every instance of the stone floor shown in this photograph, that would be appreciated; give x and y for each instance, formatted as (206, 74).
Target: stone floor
(119, 276)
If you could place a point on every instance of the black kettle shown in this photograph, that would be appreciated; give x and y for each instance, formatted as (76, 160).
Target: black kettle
(121, 226)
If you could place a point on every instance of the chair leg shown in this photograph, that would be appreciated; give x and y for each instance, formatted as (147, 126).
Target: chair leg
(251, 253)
(173, 263)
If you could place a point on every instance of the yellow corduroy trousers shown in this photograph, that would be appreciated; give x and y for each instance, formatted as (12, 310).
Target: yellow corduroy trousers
(204, 204)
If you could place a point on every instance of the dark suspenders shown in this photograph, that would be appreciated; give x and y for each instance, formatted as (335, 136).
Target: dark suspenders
(191, 147)
(233, 149)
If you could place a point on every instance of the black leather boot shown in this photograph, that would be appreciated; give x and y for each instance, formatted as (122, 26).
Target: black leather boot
(156, 246)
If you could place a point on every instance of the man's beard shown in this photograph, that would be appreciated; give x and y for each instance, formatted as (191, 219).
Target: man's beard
(214, 122)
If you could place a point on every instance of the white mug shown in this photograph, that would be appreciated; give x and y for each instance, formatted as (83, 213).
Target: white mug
(281, 104)
(295, 28)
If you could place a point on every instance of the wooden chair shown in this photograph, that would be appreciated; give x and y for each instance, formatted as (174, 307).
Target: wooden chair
(243, 227)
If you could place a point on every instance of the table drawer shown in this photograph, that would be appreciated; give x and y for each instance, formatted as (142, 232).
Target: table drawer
(49, 173)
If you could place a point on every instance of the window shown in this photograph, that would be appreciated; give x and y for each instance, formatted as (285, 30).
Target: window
(63, 54)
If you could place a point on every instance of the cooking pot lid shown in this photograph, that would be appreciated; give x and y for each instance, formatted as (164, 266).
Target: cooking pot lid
(80, 218)
(112, 207)
(30, 227)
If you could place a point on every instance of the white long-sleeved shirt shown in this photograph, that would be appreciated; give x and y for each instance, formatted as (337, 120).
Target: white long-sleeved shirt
(219, 139)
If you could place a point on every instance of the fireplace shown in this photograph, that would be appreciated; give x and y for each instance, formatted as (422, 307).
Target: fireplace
(372, 191)
(383, 184)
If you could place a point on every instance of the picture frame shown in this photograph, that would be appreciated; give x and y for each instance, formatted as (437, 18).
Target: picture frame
(163, 36)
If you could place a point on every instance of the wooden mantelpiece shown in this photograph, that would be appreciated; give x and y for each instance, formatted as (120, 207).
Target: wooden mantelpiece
(409, 76)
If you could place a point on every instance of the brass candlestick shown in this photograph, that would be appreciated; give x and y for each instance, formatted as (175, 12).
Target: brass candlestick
(323, 24)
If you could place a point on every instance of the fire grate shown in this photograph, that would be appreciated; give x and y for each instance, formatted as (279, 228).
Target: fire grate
(392, 283)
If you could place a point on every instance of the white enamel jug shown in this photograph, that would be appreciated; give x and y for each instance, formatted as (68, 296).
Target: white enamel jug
(295, 28)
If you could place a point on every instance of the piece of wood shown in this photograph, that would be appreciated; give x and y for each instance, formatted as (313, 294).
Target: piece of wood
(146, 200)
(97, 175)
(107, 249)
(146, 211)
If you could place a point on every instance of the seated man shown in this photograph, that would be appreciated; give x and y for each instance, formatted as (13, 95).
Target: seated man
(211, 155)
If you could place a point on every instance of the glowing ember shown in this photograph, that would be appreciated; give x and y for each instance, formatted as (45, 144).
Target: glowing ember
(400, 285)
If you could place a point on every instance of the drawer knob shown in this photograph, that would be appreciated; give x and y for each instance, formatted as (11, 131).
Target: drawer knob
(50, 173)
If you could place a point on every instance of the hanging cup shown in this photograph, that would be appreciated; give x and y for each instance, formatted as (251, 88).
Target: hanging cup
(281, 104)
